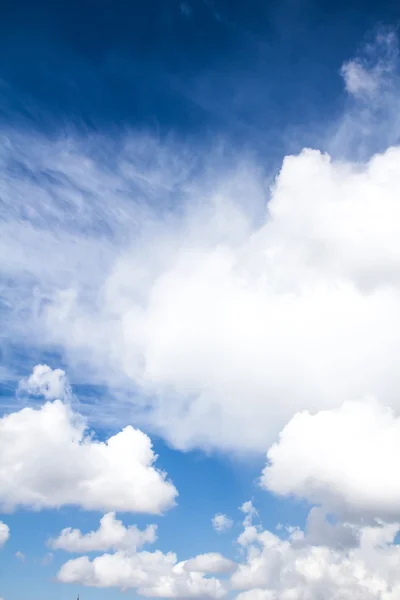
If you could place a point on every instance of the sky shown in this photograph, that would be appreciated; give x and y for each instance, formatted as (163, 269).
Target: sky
(199, 291)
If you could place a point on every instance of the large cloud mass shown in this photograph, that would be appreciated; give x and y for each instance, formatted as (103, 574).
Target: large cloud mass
(236, 332)
(236, 308)
(220, 310)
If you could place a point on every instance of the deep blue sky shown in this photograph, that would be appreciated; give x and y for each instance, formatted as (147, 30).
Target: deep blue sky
(246, 70)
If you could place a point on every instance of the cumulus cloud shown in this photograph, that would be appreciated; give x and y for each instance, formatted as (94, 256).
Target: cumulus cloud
(44, 381)
(221, 522)
(212, 562)
(4, 533)
(111, 535)
(48, 458)
(344, 459)
(294, 569)
(226, 316)
(312, 292)
(154, 575)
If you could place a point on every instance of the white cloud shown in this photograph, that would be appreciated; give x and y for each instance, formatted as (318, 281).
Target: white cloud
(227, 317)
(250, 511)
(248, 508)
(212, 562)
(4, 533)
(154, 575)
(344, 459)
(368, 74)
(358, 79)
(313, 292)
(111, 535)
(20, 556)
(52, 384)
(221, 522)
(295, 569)
(60, 463)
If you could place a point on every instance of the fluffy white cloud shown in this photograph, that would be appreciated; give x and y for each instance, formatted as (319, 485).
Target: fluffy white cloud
(4, 533)
(48, 458)
(212, 562)
(249, 509)
(344, 459)
(45, 381)
(295, 569)
(314, 293)
(247, 306)
(111, 535)
(153, 574)
(221, 522)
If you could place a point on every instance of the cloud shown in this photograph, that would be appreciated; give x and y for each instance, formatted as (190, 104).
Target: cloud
(336, 535)
(221, 522)
(60, 463)
(294, 569)
(4, 533)
(218, 320)
(154, 575)
(369, 73)
(250, 511)
(50, 383)
(20, 556)
(212, 562)
(344, 459)
(111, 535)
(358, 79)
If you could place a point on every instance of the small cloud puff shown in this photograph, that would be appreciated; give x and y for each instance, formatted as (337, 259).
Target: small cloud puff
(221, 522)
(4, 533)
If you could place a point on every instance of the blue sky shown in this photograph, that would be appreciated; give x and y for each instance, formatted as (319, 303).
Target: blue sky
(199, 258)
